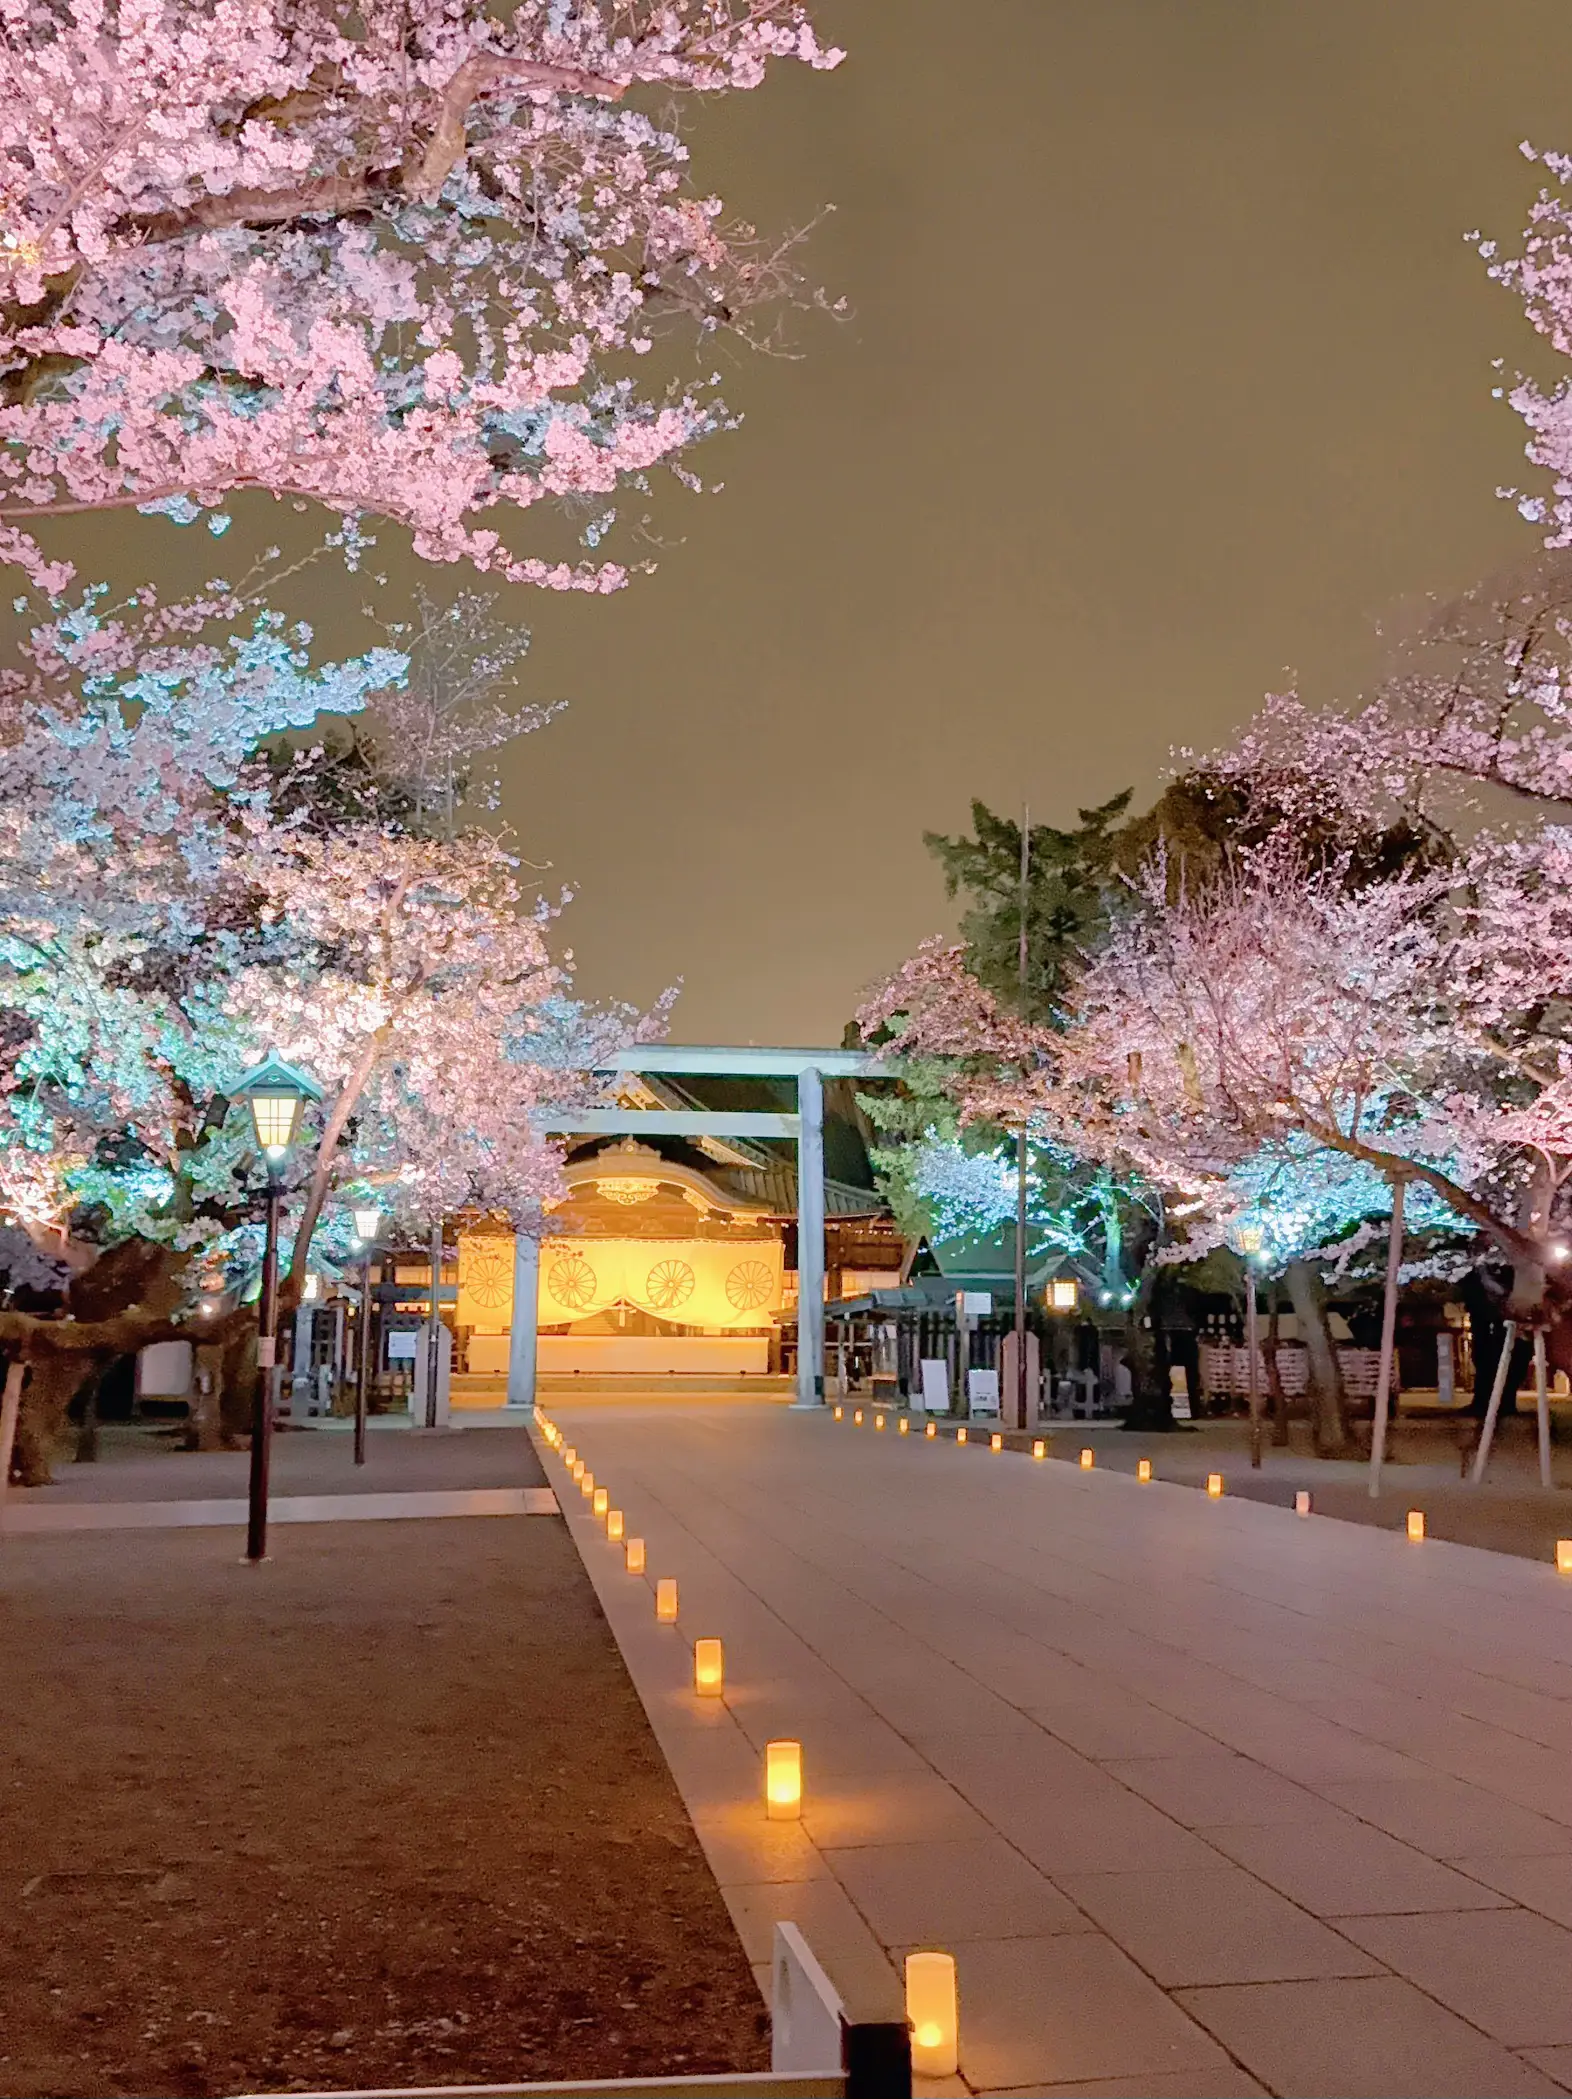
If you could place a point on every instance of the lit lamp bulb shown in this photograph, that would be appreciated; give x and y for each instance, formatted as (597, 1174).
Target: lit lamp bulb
(931, 2009)
(666, 1600)
(602, 1501)
(633, 1554)
(1088, 1460)
(782, 1781)
(1143, 1470)
(709, 1668)
(614, 1524)
(1214, 1485)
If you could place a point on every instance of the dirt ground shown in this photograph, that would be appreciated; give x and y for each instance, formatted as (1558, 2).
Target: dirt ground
(385, 1811)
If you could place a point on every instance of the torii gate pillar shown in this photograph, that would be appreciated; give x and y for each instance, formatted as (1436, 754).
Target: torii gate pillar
(810, 1238)
(526, 1309)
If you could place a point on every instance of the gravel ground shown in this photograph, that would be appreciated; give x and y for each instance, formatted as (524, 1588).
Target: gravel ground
(385, 1811)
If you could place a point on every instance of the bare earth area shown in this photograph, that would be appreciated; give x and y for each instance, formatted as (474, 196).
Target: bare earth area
(383, 1811)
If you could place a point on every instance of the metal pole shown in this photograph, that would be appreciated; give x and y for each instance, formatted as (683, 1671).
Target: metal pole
(433, 1340)
(1252, 1351)
(1394, 1261)
(267, 1358)
(810, 1239)
(364, 1379)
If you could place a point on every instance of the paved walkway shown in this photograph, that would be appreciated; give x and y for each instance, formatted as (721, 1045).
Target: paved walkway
(1206, 1798)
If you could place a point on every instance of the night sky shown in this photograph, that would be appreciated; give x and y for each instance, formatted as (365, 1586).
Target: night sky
(1167, 374)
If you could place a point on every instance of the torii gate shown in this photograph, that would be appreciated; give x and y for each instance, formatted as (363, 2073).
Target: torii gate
(810, 1068)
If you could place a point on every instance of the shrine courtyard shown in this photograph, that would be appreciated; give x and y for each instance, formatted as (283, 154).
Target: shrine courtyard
(1205, 1797)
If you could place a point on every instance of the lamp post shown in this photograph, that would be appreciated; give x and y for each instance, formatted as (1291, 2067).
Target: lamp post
(274, 1092)
(368, 1223)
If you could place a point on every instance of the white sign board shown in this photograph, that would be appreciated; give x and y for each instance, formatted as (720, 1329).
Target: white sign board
(982, 1391)
(976, 1304)
(402, 1347)
(935, 1397)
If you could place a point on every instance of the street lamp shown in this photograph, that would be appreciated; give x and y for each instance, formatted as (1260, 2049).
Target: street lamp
(273, 1091)
(368, 1223)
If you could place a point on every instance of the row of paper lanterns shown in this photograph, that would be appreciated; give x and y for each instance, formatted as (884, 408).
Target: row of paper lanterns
(1414, 1523)
(931, 1998)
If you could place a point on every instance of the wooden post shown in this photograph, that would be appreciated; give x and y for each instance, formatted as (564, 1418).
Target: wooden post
(1542, 1406)
(1487, 1433)
(1394, 1261)
(10, 1414)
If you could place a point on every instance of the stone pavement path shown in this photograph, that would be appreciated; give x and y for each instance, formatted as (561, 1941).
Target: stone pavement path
(1205, 1798)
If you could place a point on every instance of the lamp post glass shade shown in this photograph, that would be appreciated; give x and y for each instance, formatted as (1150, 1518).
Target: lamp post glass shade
(275, 1116)
(273, 1091)
(367, 1225)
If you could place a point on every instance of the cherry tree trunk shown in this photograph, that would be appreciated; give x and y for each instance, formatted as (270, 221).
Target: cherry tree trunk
(49, 1391)
(1328, 1401)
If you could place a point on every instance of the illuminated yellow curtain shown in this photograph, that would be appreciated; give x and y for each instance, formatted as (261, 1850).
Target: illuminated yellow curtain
(690, 1282)
(485, 1282)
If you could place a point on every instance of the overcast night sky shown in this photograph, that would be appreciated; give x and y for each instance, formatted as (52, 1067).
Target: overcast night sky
(1167, 373)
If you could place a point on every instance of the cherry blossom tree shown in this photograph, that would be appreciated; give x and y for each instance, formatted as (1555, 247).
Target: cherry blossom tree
(410, 261)
(176, 908)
